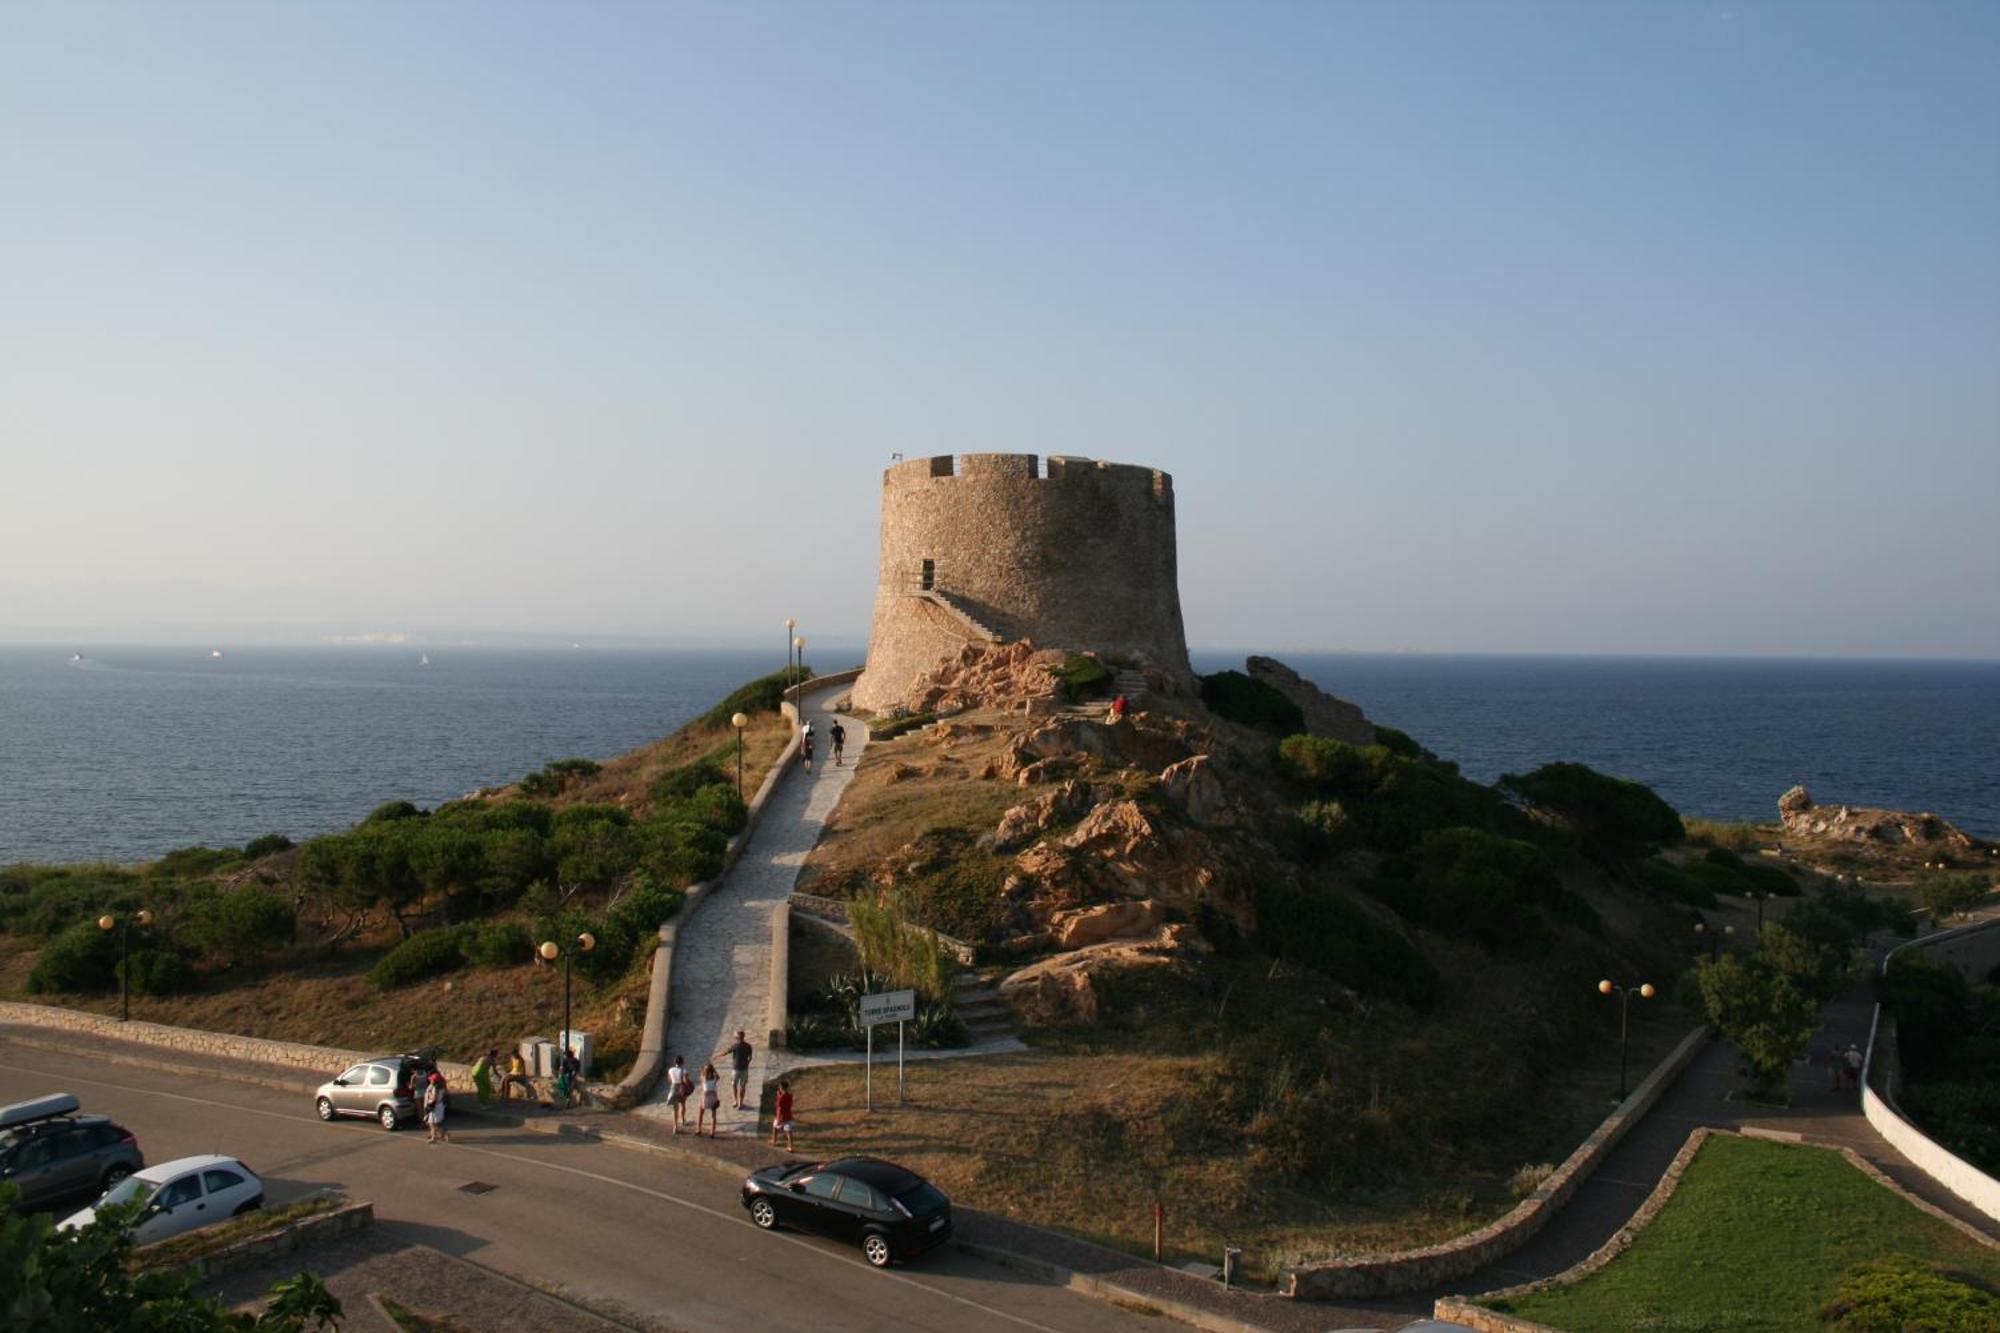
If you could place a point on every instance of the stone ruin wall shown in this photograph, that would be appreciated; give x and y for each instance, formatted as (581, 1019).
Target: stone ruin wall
(1069, 552)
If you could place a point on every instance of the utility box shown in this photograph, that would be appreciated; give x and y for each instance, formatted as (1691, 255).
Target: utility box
(584, 1049)
(540, 1055)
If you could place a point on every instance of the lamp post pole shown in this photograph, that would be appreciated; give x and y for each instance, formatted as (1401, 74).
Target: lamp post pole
(739, 721)
(1716, 938)
(106, 922)
(550, 951)
(790, 625)
(800, 644)
(1758, 896)
(1624, 993)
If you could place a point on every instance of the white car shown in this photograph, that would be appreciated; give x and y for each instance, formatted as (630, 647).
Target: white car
(180, 1196)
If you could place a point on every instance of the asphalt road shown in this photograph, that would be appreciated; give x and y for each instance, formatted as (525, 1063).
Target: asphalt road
(655, 1236)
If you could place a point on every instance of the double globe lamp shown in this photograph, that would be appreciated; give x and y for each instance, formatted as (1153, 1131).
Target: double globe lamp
(550, 951)
(109, 922)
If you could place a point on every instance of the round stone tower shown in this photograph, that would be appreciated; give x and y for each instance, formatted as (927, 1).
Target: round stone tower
(979, 548)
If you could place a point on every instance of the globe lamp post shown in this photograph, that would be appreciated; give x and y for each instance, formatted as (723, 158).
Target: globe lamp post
(550, 951)
(739, 721)
(106, 922)
(800, 644)
(1716, 938)
(1624, 993)
(790, 625)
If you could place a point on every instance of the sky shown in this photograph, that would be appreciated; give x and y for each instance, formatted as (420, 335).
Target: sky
(1584, 327)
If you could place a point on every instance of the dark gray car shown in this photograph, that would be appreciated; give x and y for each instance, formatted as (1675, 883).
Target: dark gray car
(53, 1154)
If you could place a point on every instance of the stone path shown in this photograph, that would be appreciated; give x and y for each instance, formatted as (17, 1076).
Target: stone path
(722, 955)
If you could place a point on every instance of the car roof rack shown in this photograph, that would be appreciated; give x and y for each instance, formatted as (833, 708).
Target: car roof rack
(38, 1108)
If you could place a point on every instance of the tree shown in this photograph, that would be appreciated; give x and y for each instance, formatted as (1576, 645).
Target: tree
(1948, 895)
(245, 924)
(78, 1282)
(1813, 950)
(1762, 1011)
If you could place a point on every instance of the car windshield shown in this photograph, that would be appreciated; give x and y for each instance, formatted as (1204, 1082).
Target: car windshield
(925, 1198)
(129, 1190)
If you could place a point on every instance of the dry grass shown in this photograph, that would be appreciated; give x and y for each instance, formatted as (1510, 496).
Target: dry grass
(625, 779)
(1086, 1142)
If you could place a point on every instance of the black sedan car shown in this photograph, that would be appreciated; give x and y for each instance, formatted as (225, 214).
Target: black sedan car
(890, 1212)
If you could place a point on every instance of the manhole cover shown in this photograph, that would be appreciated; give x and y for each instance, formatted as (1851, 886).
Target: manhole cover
(477, 1187)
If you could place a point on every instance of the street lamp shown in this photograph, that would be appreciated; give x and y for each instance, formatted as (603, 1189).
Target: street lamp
(550, 951)
(106, 922)
(790, 625)
(1758, 896)
(1624, 993)
(739, 721)
(800, 644)
(1716, 938)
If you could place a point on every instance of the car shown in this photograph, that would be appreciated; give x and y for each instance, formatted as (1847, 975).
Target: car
(890, 1211)
(179, 1196)
(387, 1089)
(52, 1152)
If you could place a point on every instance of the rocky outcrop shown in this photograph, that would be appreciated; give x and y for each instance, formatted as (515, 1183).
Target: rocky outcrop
(1127, 742)
(1013, 677)
(1192, 788)
(1325, 715)
(1063, 989)
(1804, 818)
(1085, 926)
(1023, 823)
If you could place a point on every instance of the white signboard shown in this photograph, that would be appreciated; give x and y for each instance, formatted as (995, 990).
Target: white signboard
(889, 1006)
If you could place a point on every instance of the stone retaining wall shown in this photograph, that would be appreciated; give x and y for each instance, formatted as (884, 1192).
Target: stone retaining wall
(778, 997)
(1412, 1270)
(324, 1061)
(261, 1248)
(835, 910)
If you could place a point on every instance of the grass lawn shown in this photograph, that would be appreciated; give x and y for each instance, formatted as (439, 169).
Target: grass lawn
(1755, 1238)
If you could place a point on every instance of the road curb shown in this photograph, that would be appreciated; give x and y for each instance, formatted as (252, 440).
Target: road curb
(1111, 1293)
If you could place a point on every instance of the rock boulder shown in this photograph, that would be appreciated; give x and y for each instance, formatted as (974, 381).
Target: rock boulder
(1336, 719)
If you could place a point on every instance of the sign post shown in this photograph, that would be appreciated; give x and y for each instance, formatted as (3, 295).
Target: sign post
(890, 1006)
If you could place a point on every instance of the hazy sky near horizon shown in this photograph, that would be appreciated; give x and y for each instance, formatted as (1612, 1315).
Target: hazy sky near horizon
(1571, 327)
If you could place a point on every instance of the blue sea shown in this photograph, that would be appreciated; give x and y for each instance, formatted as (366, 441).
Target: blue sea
(136, 751)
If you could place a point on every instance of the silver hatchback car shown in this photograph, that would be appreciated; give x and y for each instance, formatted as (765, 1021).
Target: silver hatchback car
(387, 1089)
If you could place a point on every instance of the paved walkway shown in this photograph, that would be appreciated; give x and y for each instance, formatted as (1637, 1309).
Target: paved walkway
(722, 955)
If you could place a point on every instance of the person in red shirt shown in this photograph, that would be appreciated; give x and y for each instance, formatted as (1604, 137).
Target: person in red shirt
(781, 1118)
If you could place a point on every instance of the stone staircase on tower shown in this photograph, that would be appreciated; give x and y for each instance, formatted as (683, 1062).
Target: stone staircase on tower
(976, 999)
(1130, 682)
(970, 623)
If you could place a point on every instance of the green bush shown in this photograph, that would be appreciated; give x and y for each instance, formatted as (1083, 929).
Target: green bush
(1899, 1293)
(1252, 703)
(678, 784)
(1948, 895)
(497, 944)
(243, 925)
(1614, 819)
(161, 971)
(1466, 881)
(191, 862)
(1672, 881)
(268, 845)
(83, 959)
(892, 944)
(1322, 827)
(393, 812)
(1079, 675)
(762, 695)
(640, 913)
(1316, 928)
(1399, 743)
(428, 953)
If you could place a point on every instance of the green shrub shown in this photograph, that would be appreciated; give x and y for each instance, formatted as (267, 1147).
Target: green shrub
(641, 912)
(1317, 928)
(497, 944)
(888, 728)
(161, 971)
(428, 953)
(1322, 827)
(574, 768)
(192, 862)
(83, 959)
(1252, 703)
(1727, 837)
(1948, 895)
(393, 812)
(243, 925)
(1672, 881)
(678, 784)
(1466, 881)
(762, 695)
(1900, 1293)
(268, 845)
(1398, 742)
(1614, 819)
(905, 953)
(1079, 675)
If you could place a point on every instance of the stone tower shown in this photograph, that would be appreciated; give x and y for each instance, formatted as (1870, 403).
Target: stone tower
(1068, 552)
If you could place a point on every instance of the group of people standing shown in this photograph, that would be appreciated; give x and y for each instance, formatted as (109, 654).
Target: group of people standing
(684, 1086)
(835, 733)
(568, 1081)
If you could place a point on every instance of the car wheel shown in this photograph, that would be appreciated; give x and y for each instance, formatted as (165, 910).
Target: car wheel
(247, 1206)
(875, 1249)
(763, 1214)
(115, 1173)
(325, 1108)
(387, 1115)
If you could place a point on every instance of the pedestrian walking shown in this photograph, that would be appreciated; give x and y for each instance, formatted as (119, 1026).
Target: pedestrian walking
(482, 1076)
(806, 750)
(569, 1078)
(711, 1100)
(434, 1107)
(679, 1085)
(738, 1052)
(1854, 1062)
(838, 735)
(781, 1119)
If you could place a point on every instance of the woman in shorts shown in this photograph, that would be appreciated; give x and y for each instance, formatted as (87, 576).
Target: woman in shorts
(781, 1121)
(434, 1099)
(711, 1100)
(679, 1085)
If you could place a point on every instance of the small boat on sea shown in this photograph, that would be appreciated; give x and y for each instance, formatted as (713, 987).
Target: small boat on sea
(423, 659)
(215, 652)
(77, 658)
